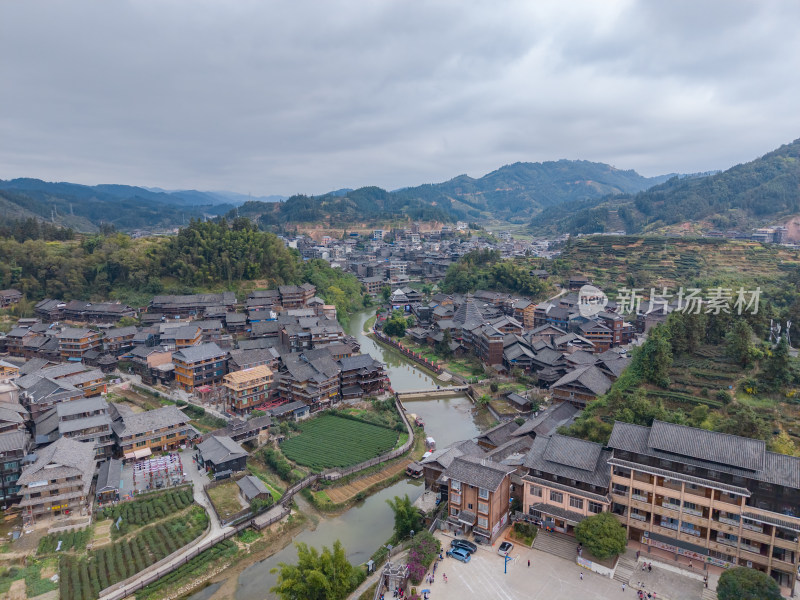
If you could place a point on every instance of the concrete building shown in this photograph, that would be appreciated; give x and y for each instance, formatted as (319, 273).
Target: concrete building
(478, 496)
(715, 498)
(14, 446)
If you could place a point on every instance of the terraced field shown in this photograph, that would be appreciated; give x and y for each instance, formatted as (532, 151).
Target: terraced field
(652, 261)
(330, 441)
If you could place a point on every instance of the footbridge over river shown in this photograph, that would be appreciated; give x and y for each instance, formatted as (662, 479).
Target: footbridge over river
(437, 392)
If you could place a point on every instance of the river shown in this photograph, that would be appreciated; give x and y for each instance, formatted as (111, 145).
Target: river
(367, 525)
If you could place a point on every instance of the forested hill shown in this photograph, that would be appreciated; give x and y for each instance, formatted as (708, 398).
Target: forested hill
(513, 193)
(86, 208)
(202, 257)
(747, 195)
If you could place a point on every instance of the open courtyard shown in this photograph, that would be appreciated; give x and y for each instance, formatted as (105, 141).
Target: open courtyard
(548, 578)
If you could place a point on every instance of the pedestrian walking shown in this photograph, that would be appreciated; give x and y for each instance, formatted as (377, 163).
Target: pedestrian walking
(690, 563)
(581, 575)
(623, 587)
(637, 555)
(649, 567)
(529, 562)
(445, 577)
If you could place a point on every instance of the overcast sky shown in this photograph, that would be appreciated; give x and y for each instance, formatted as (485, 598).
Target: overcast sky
(307, 97)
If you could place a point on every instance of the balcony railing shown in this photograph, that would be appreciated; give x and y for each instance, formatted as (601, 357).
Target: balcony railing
(639, 517)
(640, 498)
(671, 506)
(728, 521)
(727, 542)
(692, 511)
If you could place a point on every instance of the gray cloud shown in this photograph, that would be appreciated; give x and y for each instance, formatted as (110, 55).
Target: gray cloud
(305, 96)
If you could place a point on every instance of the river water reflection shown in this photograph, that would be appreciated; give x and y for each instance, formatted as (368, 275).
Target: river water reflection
(364, 527)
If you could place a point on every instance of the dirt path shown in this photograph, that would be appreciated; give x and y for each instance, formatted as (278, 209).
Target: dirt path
(102, 534)
(344, 493)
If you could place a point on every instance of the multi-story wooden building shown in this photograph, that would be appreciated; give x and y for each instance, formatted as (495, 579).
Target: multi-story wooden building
(14, 445)
(564, 480)
(8, 371)
(58, 482)
(103, 312)
(478, 496)
(581, 386)
(361, 374)
(182, 336)
(310, 379)
(119, 340)
(296, 296)
(9, 297)
(248, 388)
(191, 305)
(199, 365)
(714, 498)
(139, 434)
(50, 310)
(74, 343)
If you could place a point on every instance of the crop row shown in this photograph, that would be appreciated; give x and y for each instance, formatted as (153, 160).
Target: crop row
(147, 509)
(684, 398)
(69, 540)
(330, 441)
(82, 579)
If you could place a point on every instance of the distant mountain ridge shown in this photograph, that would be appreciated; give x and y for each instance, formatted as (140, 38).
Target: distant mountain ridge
(513, 193)
(86, 208)
(764, 190)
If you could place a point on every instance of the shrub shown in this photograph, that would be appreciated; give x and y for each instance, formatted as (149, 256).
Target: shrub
(723, 396)
(741, 583)
(494, 387)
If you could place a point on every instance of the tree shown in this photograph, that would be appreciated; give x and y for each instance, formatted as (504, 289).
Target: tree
(741, 583)
(317, 576)
(443, 348)
(777, 371)
(386, 292)
(743, 421)
(783, 444)
(654, 357)
(602, 535)
(259, 504)
(739, 343)
(406, 516)
(395, 327)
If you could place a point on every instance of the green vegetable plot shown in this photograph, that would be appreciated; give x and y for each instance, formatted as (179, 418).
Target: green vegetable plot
(329, 441)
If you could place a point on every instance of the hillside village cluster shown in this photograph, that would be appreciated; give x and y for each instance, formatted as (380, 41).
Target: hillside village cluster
(717, 499)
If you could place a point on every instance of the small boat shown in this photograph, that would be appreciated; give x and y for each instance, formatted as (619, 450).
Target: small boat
(419, 422)
(430, 443)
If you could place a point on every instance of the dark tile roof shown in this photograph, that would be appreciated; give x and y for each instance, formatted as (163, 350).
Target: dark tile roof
(109, 475)
(778, 469)
(572, 452)
(251, 487)
(570, 458)
(591, 378)
(137, 423)
(199, 353)
(480, 472)
(723, 448)
(549, 420)
(13, 440)
(499, 434)
(220, 449)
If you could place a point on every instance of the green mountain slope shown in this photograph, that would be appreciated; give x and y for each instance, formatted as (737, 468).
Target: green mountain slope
(747, 195)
